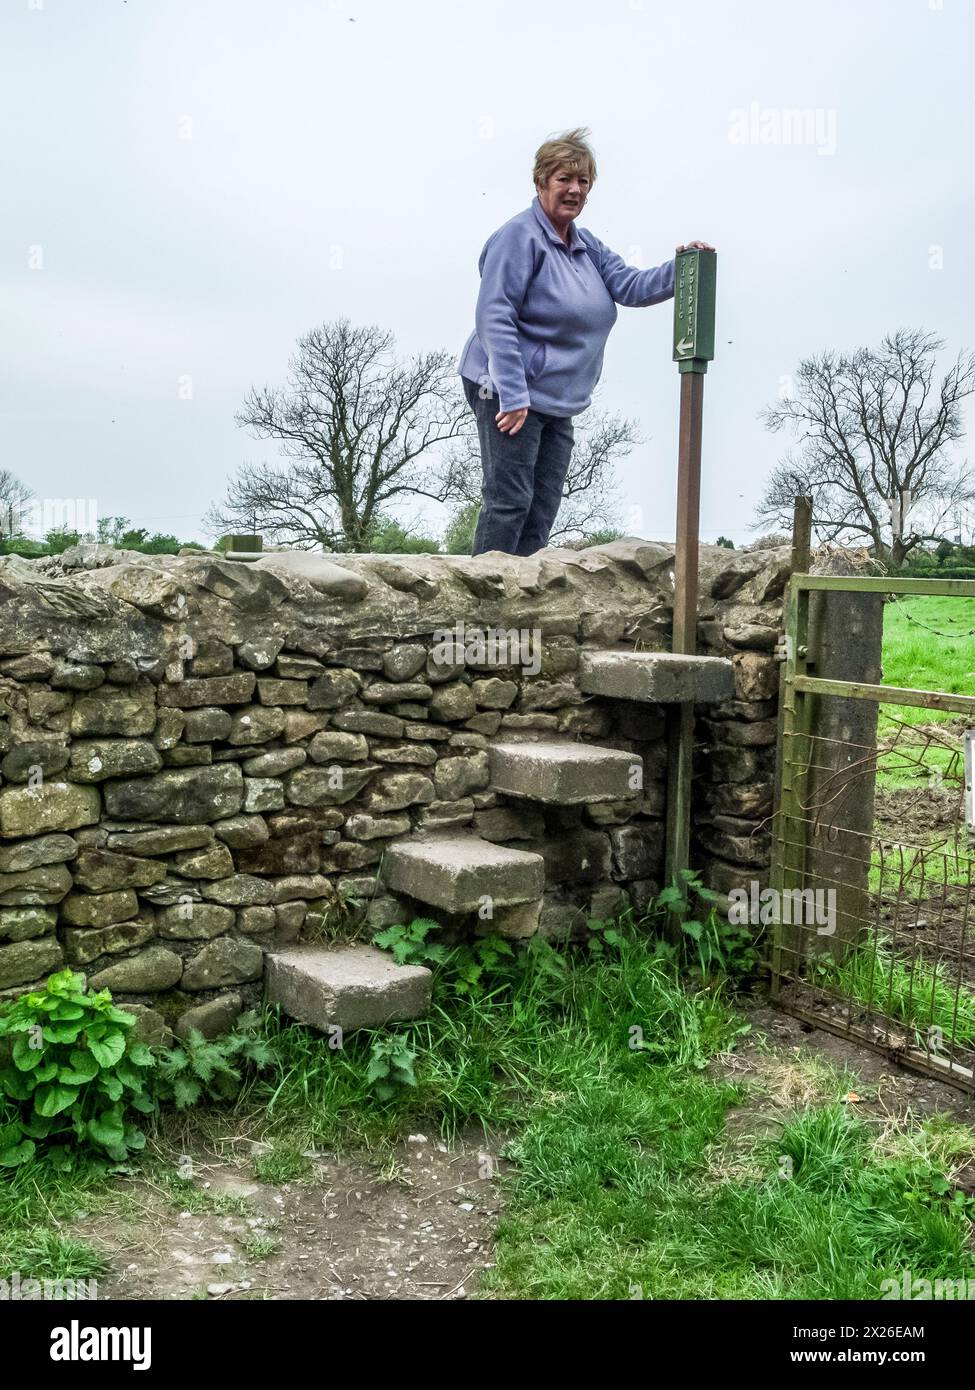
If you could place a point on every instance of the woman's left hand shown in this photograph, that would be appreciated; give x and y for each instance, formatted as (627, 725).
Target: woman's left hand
(695, 246)
(510, 421)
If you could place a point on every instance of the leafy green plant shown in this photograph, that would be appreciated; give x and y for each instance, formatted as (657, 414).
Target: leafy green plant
(71, 1079)
(466, 969)
(211, 1069)
(710, 945)
(933, 1190)
(390, 1066)
(490, 960)
(606, 937)
(409, 945)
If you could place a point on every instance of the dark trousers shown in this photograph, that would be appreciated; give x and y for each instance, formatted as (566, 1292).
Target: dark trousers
(522, 477)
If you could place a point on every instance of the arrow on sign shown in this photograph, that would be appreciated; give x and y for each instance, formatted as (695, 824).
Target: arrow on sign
(685, 345)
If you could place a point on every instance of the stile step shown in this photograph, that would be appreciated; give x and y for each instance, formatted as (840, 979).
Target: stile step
(564, 774)
(347, 986)
(664, 678)
(457, 873)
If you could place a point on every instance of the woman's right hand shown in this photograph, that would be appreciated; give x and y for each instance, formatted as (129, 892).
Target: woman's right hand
(511, 421)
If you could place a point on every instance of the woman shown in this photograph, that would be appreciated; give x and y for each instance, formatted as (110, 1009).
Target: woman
(547, 302)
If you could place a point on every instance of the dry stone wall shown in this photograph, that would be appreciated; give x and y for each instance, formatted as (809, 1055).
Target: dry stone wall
(201, 758)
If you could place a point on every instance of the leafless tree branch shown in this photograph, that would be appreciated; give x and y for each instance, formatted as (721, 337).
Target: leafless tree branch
(357, 428)
(874, 434)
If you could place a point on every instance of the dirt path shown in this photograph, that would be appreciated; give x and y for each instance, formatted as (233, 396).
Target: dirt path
(419, 1227)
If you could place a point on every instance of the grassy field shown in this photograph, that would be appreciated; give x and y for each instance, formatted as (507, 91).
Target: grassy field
(928, 644)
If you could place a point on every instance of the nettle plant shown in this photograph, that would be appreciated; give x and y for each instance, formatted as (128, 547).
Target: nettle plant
(212, 1070)
(71, 1079)
(710, 944)
(468, 968)
(390, 1066)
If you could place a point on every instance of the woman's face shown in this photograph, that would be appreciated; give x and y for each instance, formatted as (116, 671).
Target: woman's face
(564, 195)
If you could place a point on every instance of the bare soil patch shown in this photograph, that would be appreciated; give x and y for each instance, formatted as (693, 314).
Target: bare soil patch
(415, 1225)
(777, 1040)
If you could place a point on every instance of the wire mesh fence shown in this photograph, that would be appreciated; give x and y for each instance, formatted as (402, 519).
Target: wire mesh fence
(874, 935)
(876, 938)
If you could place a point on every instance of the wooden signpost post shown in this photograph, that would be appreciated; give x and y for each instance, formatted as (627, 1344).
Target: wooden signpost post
(694, 299)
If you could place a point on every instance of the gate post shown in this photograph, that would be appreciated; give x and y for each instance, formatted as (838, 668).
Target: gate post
(826, 765)
(846, 637)
(791, 753)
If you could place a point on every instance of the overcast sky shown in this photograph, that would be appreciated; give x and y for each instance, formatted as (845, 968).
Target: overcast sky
(189, 185)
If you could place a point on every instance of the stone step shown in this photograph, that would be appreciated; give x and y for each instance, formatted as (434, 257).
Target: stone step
(457, 873)
(564, 774)
(663, 678)
(348, 986)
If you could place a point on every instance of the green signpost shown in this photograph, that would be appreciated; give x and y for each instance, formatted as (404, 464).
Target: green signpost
(694, 298)
(694, 293)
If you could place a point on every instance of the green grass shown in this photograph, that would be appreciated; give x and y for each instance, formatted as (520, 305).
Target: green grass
(187, 1196)
(915, 871)
(920, 994)
(922, 762)
(37, 1206)
(480, 1059)
(917, 657)
(284, 1163)
(257, 1247)
(43, 1253)
(927, 645)
(615, 1199)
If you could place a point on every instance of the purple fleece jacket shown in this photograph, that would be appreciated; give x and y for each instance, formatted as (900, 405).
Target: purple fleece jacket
(545, 310)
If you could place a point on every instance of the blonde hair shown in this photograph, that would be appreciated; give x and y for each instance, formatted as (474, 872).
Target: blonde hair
(568, 150)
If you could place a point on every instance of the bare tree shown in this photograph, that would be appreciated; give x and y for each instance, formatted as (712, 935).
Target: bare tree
(359, 431)
(14, 499)
(874, 430)
(589, 496)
